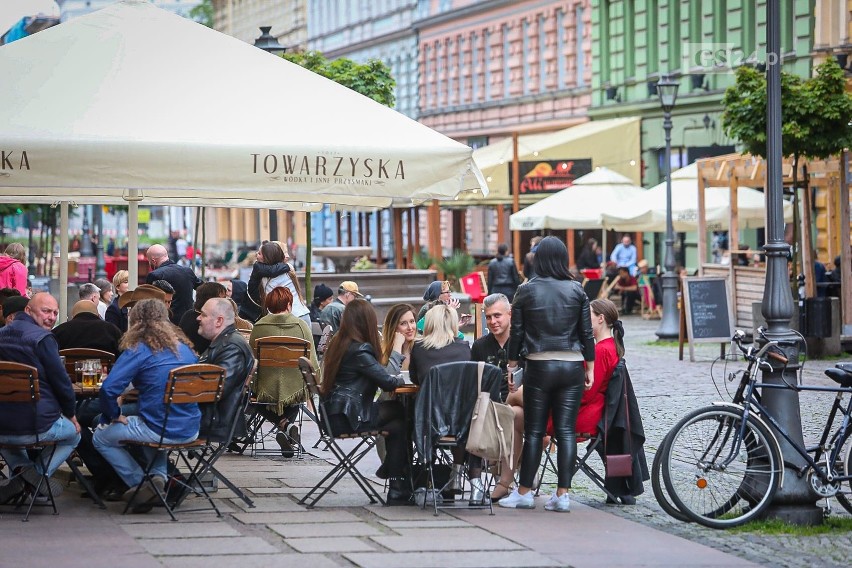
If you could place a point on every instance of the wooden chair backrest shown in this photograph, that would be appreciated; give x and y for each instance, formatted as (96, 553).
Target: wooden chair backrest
(281, 352)
(81, 354)
(309, 374)
(18, 382)
(200, 383)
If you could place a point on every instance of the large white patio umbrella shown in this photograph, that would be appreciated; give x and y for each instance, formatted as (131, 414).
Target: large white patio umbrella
(648, 211)
(580, 205)
(135, 104)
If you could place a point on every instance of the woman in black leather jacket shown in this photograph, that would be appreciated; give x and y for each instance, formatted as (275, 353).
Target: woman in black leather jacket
(551, 318)
(352, 373)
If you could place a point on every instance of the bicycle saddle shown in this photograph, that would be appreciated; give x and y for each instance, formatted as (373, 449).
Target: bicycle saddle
(841, 374)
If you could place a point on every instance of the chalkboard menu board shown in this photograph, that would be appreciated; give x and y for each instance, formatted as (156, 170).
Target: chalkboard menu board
(708, 315)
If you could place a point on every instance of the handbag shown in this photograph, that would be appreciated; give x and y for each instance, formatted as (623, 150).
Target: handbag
(619, 465)
(492, 426)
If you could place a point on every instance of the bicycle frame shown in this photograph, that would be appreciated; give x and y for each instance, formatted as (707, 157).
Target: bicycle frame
(751, 403)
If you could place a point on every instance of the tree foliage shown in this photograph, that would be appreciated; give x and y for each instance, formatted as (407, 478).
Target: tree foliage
(815, 112)
(203, 13)
(372, 79)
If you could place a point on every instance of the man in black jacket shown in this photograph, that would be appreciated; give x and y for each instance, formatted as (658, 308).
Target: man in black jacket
(87, 329)
(182, 279)
(503, 276)
(230, 350)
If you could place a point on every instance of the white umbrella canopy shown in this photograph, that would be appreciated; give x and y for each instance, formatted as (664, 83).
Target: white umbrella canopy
(578, 206)
(135, 97)
(648, 211)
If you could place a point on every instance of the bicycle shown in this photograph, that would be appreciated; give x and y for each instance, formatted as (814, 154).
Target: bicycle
(722, 464)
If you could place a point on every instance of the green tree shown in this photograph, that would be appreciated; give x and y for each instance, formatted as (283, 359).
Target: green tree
(815, 119)
(203, 13)
(372, 79)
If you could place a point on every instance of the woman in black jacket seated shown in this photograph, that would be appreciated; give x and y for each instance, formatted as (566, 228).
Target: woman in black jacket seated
(351, 376)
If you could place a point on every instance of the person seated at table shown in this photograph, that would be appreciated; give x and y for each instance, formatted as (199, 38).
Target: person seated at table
(86, 329)
(115, 314)
(398, 334)
(28, 340)
(628, 287)
(351, 377)
(439, 293)
(152, 347)
(588, 258)
(438, 345)
(281, 390)
(189, 322)
(645, 282)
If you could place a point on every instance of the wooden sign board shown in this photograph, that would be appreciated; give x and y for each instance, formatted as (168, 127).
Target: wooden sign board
(708, 315)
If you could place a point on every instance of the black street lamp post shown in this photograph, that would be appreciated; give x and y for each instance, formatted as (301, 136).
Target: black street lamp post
(268, 43)
(794, 502)
(670, 323)
(98, 221)
(85, 239)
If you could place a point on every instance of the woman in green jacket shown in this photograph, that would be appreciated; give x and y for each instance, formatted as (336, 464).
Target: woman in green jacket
(280, 390)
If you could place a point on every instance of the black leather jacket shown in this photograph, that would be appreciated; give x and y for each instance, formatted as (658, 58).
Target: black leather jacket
(358, 377)
(231, 351)
(551, 315)
(502, 275)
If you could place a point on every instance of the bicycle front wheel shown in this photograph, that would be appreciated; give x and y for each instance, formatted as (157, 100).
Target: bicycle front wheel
(844, 496)
(713, 476)
(658, 485)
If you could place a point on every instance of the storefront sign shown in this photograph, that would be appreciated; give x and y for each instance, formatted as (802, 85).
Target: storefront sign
(550, 176)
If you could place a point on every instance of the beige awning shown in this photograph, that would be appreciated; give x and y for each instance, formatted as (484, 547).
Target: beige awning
(613, 144)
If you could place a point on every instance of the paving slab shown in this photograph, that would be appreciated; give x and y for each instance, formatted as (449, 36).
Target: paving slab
(427, 540)
(508, 559)
(426, 523)
(586, 537)
(268, 505)
(298, 530)
(336, 516)
(180, 530)
(278, 560)
(206, 546)
(329, 544)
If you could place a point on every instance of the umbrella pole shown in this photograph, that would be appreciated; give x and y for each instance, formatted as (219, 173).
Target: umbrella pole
(63, 261)
(309, 291)
(203, 241)
(133, 238)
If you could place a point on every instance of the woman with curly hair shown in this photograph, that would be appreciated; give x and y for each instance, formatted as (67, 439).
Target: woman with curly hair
(152, 347)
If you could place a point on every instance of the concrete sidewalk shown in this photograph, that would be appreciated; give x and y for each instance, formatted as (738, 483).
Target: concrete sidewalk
(344, 530)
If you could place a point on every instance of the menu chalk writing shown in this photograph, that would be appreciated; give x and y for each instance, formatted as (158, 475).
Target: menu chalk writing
(708, 315)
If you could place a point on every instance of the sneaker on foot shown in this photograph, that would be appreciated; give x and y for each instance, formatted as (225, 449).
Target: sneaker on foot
(9, 489)
(294, 435)
(284, 441)
(561, 504)
(515, 500)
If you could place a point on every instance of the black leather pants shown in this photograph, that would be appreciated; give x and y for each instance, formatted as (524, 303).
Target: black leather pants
(555, 386)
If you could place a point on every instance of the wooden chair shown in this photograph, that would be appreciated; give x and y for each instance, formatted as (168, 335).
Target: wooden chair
(276, 352)
(347, 462)
(19, 384)
(201, 384)
(72, 356)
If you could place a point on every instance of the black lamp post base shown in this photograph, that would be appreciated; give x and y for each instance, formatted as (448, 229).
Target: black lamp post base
(801, 515)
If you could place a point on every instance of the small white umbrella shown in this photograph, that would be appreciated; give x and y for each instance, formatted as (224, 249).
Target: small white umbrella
(580, 205)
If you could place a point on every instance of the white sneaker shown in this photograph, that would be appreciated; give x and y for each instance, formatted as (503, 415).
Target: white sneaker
(559, 504)
(515, 500)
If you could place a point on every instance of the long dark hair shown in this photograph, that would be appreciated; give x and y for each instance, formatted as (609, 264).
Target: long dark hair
(551, 259)
(358, 324)
(606, 308)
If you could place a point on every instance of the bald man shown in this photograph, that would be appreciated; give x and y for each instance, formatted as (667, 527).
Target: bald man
(182, 279)
(28, 340)
(228, 349)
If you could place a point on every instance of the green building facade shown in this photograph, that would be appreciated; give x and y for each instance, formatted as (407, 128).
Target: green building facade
(700, 42)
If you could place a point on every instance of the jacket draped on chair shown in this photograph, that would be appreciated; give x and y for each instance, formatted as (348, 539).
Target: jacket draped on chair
(614, 423)
(447, 398)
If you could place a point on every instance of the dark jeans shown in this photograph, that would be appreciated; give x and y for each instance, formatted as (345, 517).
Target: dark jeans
(629, 297)
(388, 417)
(290, 414)
(551, 386)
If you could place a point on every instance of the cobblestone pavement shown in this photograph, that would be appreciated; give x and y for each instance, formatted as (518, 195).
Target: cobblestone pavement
(667, 389)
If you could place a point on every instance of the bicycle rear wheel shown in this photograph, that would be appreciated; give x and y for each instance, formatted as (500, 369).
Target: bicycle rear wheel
(712, 476)
(658, 485)
(844, 496)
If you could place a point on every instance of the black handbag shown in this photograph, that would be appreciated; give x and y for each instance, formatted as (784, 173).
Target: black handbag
(619, 465)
